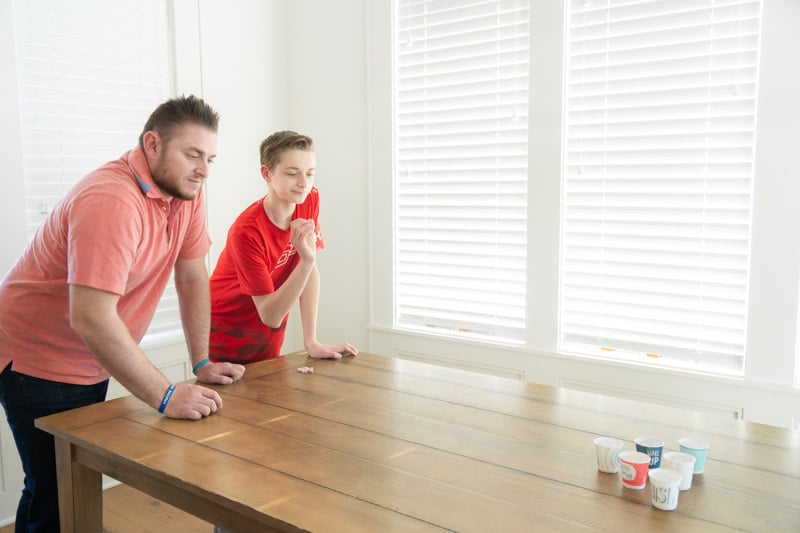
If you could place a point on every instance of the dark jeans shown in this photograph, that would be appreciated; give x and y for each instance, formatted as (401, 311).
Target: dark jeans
(24, 399)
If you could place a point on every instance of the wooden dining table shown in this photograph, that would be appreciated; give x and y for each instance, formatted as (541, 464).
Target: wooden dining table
(375, 444)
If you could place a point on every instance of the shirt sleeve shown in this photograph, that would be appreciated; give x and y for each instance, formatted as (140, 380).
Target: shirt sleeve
(313, 207)
(103, 234)
(250, 260)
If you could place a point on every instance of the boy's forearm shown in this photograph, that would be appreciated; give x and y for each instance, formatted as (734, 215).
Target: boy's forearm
(309, 306)
(272, 308)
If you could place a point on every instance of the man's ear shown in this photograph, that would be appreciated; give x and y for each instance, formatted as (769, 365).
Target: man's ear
(152, 144)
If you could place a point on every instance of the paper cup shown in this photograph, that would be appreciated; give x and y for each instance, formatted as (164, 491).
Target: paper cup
(653, 447)
(683, 463)
(664, 488)
(698, 448)
(633, 466)
(608, 449)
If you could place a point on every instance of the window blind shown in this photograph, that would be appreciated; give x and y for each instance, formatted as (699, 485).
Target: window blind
(89, 73)
(658, 179)
(460, 140)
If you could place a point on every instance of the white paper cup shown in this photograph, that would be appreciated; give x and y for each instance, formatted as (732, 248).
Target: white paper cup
(698, 448)
(608, 449)
(664, 488)
(682, 463)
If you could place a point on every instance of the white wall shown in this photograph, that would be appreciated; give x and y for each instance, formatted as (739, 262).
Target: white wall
(12, 222)
(327, 99)
(243, 49)
(234, 54)
(12, 204)
(300, 65)
(776, 225)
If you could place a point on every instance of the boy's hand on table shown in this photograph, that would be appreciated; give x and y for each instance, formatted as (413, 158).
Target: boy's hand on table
(331, 351)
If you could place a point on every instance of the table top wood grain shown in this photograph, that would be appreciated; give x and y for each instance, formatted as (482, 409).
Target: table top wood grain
(372, 443)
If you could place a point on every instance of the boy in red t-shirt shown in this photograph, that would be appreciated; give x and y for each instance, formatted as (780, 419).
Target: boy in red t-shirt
(269, 261)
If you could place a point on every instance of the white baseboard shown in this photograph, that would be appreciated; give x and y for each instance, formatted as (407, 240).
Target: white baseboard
(728, 411)
(509, 373)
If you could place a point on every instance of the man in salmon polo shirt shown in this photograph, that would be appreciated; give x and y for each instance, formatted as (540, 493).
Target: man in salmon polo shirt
(80, 298)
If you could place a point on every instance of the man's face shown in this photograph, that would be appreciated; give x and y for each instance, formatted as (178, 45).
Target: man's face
(182, 164)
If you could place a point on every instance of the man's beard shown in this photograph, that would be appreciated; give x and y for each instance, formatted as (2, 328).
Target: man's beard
(166, 186)
(171, 189)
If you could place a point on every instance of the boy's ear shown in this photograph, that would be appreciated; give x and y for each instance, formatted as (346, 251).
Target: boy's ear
(265, 173)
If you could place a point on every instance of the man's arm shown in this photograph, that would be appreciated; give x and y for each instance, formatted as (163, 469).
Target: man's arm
(191, 284)
(93, 316)
(194, 300)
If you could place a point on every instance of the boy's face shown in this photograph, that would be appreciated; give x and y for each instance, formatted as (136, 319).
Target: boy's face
(292, 178)
(182, 164)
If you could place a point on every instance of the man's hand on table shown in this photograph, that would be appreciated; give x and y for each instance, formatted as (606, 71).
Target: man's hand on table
(192, 401)
(221, 373)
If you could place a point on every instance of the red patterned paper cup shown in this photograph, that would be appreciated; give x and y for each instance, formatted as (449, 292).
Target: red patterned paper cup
(633, 467)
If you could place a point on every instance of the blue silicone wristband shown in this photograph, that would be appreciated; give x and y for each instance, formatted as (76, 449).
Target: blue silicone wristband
(165, 399)
(199, 365)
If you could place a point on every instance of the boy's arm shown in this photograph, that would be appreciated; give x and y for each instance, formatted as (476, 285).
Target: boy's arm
(273, 307)
(309, 305)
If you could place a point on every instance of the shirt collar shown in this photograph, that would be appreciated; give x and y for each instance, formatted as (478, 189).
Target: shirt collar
(141, 171)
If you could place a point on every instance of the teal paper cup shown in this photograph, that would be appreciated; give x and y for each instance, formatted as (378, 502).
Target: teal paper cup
(698, 448)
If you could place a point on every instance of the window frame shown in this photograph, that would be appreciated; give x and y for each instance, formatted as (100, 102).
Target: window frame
(775, 268)
(696, 276)
(464, 290)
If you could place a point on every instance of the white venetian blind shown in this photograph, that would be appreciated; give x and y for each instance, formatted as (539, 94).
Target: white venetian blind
(461, 117)
(89, 73)
(659, 150)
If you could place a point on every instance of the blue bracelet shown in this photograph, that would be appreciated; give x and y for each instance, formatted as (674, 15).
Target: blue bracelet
(199, 365)
(165, 399)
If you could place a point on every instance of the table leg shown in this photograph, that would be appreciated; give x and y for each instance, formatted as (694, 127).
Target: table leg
(80, 492)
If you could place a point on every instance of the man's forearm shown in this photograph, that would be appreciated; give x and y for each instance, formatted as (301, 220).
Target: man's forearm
(191, 284)
(93, 317)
